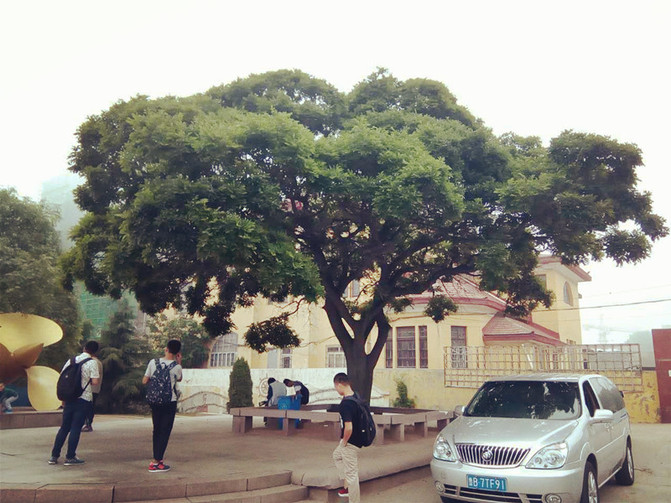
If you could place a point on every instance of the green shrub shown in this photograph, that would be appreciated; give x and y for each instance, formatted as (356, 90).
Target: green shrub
(403, 400)
(240, 386)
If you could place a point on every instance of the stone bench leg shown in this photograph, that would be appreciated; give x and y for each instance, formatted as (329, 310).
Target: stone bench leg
(334, 430)
(242, 424)
(379, 435)
(422, 428)
(397, 432)
(289, 426)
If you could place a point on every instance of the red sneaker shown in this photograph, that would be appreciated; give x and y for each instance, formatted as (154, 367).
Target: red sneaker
(343, 493)
(158, 467)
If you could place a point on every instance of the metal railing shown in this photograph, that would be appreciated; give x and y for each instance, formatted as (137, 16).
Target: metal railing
(470, 366)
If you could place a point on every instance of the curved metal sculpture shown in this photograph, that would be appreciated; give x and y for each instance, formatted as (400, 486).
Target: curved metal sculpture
(22, 337)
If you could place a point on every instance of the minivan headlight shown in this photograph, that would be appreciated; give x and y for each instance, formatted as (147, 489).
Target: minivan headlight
(442, 450)
(550, 457)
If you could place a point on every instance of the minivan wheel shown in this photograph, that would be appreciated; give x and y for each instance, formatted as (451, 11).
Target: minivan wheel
(590, 487)
(625, 475)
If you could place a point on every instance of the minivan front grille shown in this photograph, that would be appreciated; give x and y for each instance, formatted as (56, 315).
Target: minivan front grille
(490, 455)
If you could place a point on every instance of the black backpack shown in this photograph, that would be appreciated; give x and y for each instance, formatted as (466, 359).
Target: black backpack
(363, 421)
(305, 393)
(159, 389)
(69, 385)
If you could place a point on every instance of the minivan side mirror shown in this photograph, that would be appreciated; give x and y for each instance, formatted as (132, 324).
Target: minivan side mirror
(459, 410)
(602, 415)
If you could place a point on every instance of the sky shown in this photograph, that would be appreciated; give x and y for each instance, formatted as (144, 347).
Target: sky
(534, 68)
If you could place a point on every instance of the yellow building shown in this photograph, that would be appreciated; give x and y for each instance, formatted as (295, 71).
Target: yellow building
(416, 341)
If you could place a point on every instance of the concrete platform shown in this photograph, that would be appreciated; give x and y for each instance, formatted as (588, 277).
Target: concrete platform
(27, 417)
(203, 450)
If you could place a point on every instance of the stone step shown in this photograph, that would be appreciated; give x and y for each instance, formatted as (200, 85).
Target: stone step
(279, 494)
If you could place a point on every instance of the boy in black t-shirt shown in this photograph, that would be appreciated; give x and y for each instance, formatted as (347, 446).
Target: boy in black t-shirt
(346, 455)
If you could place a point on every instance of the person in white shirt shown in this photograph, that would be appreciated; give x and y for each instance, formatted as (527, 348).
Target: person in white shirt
(276, 389)
(88, 423)
(75, 411)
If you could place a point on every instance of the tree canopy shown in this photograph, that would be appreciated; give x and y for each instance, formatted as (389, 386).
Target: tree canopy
(280, 185)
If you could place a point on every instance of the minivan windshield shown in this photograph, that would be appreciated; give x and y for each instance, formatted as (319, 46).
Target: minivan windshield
(526, 399)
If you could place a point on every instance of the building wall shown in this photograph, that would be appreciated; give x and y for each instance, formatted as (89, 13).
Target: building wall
(206, 390)
(562, 317)
(644, 407)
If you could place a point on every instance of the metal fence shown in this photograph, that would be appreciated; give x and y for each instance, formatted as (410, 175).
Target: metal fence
(470, 366)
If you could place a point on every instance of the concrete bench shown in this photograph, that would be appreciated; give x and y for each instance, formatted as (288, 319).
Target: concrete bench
(394, 422)
(441, 418)
(243, 417)
(419, 420)
(331, 420)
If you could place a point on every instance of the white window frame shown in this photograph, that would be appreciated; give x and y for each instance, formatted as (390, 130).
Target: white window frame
(335, 357)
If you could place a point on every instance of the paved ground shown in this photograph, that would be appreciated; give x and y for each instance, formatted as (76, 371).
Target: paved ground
(201, 447)
(652, 458)
(204, 447)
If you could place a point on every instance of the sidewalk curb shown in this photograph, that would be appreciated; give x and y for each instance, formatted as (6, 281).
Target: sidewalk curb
(127, 492)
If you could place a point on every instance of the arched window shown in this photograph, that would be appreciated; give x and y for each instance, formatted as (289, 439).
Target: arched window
(568, 295)
(224, 351)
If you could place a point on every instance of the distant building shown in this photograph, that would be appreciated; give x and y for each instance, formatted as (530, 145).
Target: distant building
(57, 193)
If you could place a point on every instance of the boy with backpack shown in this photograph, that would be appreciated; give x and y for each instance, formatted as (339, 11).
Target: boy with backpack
(161, 377)
(74, 389)
(357, 431)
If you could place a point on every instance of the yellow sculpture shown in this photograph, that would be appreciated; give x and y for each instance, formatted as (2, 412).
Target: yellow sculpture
(17, 358)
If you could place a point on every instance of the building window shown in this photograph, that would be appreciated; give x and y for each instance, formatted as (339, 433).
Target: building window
(458, 343)
(285, 360)
(389, 352)
(353, 289)
(335, 357)
(423, 348)
(224, 351)
(568, 295)
(405, 347)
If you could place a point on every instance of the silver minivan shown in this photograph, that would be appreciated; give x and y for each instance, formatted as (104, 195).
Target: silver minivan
(539, 438)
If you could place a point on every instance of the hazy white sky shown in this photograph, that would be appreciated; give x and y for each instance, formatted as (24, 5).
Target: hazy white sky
(535, 68)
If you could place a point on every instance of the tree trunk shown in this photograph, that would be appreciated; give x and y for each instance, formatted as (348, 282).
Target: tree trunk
(360, 370)
(360, 365)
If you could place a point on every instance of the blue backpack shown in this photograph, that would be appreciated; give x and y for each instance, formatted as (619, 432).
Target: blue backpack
(159, 389)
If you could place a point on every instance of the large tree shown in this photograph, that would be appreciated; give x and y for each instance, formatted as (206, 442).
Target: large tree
(279, 185)
(30, 279)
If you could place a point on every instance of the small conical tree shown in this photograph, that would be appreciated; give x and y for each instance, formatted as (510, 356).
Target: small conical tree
(240, 386)
(403, 400)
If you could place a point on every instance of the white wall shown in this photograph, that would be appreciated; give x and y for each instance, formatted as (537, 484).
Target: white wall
(206, 390)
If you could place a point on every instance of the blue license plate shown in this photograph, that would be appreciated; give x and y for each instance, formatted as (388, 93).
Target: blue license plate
(486, 483)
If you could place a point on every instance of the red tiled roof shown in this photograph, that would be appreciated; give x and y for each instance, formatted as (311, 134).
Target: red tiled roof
(503, 328)
(463, 291)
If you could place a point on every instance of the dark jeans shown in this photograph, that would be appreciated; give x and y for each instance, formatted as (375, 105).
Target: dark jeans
(89, 419)
(163, 417)
(74, 415)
